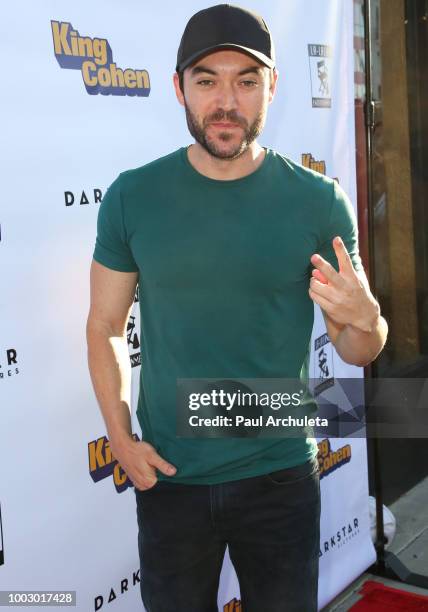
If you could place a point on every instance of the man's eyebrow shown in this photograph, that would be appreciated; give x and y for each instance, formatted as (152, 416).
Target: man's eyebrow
(254, 69)
(200, 68)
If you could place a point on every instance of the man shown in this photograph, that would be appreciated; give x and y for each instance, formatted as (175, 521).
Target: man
(222, 237)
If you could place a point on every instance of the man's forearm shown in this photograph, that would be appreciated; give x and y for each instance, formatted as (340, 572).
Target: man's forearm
(110, 370)
(359, 347)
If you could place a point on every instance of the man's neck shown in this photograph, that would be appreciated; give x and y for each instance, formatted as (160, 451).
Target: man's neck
(225, 169)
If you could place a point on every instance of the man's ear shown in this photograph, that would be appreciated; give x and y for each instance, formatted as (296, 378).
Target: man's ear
(178, 92)
(272, 83)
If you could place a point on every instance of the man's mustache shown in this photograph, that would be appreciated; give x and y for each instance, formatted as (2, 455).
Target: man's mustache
(229, 116)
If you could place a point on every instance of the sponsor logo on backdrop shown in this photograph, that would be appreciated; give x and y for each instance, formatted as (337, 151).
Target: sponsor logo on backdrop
(132, 335)
(319, 71)
(93, 196)
(102, 464)
(308, 161)
(330, 460)
(323, 351)
(323, 364)
(339, 538)
(234, 605)
(1, 541)
(113, 593)
(94, 58)
(8, 363)
(133, 342)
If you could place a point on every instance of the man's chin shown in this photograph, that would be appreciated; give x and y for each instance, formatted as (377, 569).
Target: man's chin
(225, 151)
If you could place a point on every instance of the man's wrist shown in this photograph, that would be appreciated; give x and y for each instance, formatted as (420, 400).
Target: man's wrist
(370, 322)
(120, 439)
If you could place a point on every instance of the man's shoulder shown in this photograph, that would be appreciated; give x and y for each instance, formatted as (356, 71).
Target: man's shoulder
(303, 175)
(155, 169)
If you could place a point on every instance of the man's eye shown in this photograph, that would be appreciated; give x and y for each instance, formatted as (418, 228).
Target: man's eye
(204, 82)
(249, 83)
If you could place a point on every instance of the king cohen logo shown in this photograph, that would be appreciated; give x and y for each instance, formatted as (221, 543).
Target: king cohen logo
(8, 363)
(308, 161)
(94, 58)
(319, 71)
(330, 460)
(102, 464)
(344, 534)
(234, 605)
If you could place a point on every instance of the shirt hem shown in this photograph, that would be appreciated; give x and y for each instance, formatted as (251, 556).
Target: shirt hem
(242, 474)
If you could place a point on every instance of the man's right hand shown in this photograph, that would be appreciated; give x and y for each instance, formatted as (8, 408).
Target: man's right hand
(140, 460)
(112, 298)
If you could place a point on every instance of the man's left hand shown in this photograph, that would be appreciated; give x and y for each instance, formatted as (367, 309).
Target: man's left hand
(344, 296)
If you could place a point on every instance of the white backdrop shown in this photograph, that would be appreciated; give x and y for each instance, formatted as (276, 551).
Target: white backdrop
(68, 516)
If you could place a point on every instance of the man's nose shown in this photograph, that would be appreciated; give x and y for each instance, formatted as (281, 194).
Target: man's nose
(226, 96)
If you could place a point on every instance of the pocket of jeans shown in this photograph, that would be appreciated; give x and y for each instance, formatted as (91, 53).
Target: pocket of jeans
(294, 474)
(145, 491)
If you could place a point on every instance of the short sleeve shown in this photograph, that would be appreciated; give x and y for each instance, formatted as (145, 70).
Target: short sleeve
(111, 245)
(341, 222)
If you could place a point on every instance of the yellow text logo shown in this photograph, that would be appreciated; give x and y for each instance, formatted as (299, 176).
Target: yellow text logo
(103, 464)
(94, 58)
(329, 460)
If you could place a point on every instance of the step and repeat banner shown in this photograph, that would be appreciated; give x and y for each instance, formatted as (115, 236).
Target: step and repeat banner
(87, 94)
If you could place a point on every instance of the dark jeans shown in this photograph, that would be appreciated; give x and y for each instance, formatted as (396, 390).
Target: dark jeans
(269, 522)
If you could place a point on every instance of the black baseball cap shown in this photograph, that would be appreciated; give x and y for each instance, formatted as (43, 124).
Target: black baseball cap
(225, 26)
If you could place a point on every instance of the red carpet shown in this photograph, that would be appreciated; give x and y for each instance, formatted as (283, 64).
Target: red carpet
(379, 598)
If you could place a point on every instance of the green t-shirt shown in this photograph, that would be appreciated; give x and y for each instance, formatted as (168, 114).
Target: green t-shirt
(224, 270)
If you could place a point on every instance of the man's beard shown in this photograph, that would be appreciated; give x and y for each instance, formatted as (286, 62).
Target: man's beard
(250, 132)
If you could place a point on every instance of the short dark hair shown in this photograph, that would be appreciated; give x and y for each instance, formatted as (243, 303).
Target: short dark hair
(181, 78)
(181, 81)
